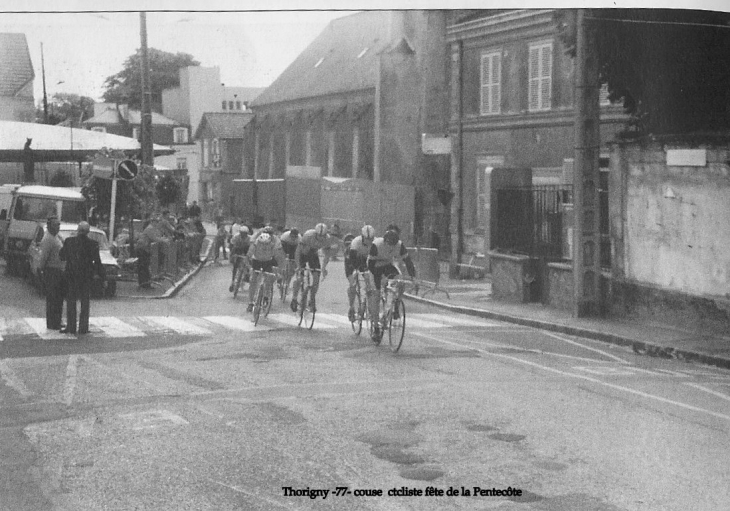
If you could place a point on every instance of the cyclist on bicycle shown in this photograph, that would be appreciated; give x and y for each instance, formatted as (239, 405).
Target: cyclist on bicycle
(385, 254)
(356, 257)
(239, 246)
(263, 255)
(307, 254)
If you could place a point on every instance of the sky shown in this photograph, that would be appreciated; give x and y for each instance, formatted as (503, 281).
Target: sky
(252, 42)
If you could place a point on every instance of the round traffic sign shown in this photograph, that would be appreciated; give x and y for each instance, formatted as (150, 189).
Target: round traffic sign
(127, 169)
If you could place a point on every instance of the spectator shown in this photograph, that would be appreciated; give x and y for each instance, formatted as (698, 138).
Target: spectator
(151, 234)
(194, 211)
(51, 268)
(220, 242)
(82, 262)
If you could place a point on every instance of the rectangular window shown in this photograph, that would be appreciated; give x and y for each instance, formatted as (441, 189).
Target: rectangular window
(491, 78)
(99, 129)
(204, 151)
(182, 163)
(540, 76)
(238, 105)
(181, 135)
(230, 105)
(216, 150)
(135, 133)
(224, 104)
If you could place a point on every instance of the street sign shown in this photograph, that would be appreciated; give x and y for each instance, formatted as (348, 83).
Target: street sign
(103, 167)
(127, 170)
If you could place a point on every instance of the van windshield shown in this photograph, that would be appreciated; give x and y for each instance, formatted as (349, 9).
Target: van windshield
(39, 209)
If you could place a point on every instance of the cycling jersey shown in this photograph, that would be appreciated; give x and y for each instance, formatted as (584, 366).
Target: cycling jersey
(289, 243)
(263, 251)
(311, 242)
(357, 256)
(240, 245)
(381, 254)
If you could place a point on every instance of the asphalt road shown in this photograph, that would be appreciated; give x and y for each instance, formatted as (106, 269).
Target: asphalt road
(182, 404)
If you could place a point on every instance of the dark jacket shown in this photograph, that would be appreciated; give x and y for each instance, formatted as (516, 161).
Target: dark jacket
(82, 258)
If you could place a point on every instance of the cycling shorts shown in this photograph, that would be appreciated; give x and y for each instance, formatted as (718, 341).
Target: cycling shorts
(349, 267)
(266, 266)
(310, 259)
(388, 271)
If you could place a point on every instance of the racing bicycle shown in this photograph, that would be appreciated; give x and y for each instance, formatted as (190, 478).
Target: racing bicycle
(264, 294)
(393, 312)
(242, 273)
(360, 302)
(305, 310)
(286, 276)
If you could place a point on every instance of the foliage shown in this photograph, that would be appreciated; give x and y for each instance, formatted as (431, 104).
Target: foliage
(61, 178)
(63, 106)
(125, 87)
(168, 190)
(671, 67)
(136, 197)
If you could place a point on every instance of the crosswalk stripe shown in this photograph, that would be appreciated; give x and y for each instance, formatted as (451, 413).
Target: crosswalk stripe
(39, 327)
(115, 327)
(454, 320)
(178, 325)
(244, 325)
(291, 319)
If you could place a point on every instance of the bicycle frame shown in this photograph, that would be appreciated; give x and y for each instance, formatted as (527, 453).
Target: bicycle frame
(286, 275)
(305, 312)
(361, 313)
(393, 312)
(264, 290)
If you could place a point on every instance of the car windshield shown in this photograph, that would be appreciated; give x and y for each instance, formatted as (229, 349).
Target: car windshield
(39, 209)
(99, 237)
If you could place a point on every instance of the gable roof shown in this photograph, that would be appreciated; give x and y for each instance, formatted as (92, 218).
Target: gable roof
(111, 116)
(224, 124)
(16, 68)
(334, 62)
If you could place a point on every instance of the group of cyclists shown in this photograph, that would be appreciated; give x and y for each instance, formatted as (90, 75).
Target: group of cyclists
(374, 257)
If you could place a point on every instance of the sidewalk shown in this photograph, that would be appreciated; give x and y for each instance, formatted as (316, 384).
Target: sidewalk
(473, 297)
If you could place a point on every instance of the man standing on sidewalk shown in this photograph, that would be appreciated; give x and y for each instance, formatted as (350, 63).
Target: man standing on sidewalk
(150, 235)
(51, 272)
(82, 262)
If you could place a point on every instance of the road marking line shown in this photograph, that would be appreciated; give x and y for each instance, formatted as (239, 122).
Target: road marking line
(710, 391)
(290, 319)
(11, 380)
(238, 489)
(560, 338)
(178, 325)
(588, 378)
(454, 320)
(108, 367)
(244, 325)
(115, 327)
(69, 385)
(39, 328)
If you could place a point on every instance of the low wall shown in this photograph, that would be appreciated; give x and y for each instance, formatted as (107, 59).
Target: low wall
(559, 286)
(513, 277)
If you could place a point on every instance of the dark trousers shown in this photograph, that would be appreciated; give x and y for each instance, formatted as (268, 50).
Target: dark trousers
(77, 290)
(54, 283)
(143, 267)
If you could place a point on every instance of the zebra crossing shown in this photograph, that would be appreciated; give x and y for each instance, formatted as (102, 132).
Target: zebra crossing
(142, 326)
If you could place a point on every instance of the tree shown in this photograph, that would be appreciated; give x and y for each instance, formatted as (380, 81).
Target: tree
(135, 198)
(61, 178)
(125, 87)
(168, 190)
(66, 107)
(670, 67)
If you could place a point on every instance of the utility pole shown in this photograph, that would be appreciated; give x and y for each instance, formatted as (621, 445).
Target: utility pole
(586, 236)
(45, 96)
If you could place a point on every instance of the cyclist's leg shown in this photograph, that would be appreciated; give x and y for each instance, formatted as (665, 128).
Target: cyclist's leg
(374, 296)
(236, 264)
(314, 265)
(352, 281)
(253, 284)
(297, 284)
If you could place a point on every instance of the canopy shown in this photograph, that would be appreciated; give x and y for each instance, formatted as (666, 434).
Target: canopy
(62, 143)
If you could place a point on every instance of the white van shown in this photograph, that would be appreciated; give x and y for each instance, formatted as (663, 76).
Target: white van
(30, 208)
(6, 198)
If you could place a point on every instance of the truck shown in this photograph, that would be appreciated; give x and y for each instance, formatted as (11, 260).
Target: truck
(30, 208)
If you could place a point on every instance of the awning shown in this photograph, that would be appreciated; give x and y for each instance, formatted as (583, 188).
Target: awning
(62, 143)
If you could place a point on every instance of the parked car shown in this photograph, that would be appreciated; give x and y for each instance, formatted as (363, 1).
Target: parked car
(111, 266)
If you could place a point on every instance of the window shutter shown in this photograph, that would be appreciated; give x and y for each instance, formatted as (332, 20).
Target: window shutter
(534, 78)
(490, 96)
(547, 72)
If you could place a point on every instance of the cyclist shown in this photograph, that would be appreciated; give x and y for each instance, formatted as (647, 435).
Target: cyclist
(289, 242)
(385, 254)
(239, 246)
(263, 255)
(356, 257)
(307, 254)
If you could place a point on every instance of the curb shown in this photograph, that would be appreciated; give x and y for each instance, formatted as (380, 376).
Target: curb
(639, 347)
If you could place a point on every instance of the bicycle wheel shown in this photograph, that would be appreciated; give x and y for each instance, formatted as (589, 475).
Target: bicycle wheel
(397, 325)
(237, 281)
(372, 323)
(302, 310)
(257, 305)
(285, 286)
(269, 296)
(309, 315)
(357, 324)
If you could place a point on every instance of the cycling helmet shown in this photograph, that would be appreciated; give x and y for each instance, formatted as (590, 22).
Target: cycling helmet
(391, 237)
(348, 238)
(244, 230)
(268, 229)
(320, 229)
(294, 232)
(265, 237)
(368, 231)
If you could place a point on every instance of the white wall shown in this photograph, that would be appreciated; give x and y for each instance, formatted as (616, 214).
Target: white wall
(678, 223)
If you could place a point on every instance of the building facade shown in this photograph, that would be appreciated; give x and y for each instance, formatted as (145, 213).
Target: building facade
(512, 106)
(16, 79)
(354, 105)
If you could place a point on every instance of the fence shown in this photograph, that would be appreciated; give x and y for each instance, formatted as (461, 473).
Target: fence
(530, 219)
(428, 270)
(168, 259)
